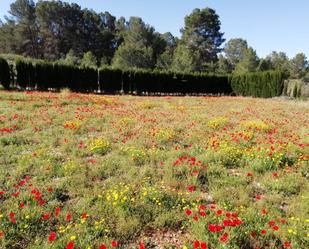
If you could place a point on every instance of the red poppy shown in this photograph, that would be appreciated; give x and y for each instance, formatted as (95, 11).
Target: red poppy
(141, 245)
(21, 205)
(69, 217)
(203, 245)
(12, 214)
(272, 223)
(202, 207)
(195, 218)
(84, 215)
(234, 215)
(46, 217)
(103, 246)
(249, 174)
(191, 188)
(276, 228)
(287, 244)
(57, 212)
(52, 237)
(196, 244)
(202, 213)
(22, 182)
(50, 190)
(1, 234)
(37, 196)
(275, 174)
(188, 212)
(114, 243)
(70, 245)
(227, 223)
(258, 197)
(214, 228)
(219, 212)
(263, 231)
(15, 194)
(237, 222)
(224, 237)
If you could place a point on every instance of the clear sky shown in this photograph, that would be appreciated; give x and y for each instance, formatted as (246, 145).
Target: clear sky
(267, 25)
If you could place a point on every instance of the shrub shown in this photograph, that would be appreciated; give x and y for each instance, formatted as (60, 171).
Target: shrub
(110, 80)
(260, 84)
(4, 73)
(99, 146)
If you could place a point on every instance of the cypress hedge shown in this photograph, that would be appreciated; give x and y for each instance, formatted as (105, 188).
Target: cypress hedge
(4, 73)
(260, 84)
(25, 74)
(154, 82)
(44, 76)
(110, 80)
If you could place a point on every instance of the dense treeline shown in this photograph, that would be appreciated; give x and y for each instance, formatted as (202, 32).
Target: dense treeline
(66, 37)
(60, 31)
(40, 75)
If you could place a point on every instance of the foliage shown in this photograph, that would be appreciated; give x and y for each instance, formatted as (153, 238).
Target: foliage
(25, 28)
(184, 59)
(260, 84)
(296, 88)
(71, 58)
(248, 63)
(140, 46)
(43, 76)
(131, 57)
(4, 73)
(142, 81)
(99, 145)
(298, 66)
(279, 61)
(88, 60)
(234, 50)
(201, 34)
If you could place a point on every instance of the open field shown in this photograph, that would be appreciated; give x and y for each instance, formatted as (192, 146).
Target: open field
(89, 171)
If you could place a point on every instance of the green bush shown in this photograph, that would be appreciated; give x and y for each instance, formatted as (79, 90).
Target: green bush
(260, 84)
(25, 74)
(4, 73)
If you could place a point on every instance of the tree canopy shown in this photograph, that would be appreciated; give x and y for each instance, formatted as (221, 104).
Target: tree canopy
(65, 32)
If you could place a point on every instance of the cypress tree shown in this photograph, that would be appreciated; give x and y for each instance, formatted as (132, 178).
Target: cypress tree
(4, 73)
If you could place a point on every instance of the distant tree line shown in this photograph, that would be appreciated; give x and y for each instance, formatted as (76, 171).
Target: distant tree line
(60, 31)
(31, 74)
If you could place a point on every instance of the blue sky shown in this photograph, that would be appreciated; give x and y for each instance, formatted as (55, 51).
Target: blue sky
(267, 25)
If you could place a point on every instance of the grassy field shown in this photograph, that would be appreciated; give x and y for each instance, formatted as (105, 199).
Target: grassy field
(87, 171)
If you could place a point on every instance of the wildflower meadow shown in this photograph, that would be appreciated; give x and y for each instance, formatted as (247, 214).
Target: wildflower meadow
(93, 171)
